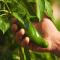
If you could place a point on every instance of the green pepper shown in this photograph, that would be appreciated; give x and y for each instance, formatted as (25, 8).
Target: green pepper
(31, 32)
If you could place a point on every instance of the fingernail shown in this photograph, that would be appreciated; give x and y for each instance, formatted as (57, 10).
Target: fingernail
(20, 33)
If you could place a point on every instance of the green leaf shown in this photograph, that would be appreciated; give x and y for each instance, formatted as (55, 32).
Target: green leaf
(19, 7)
(48, 10)
(40, 7)
(4, 24)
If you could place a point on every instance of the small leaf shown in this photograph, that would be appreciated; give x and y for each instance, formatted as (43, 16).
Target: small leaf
(40, 6)
(19, 7)
(4, 24)
(49, 10)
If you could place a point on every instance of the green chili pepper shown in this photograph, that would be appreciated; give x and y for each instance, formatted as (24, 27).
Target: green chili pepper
(31, 32)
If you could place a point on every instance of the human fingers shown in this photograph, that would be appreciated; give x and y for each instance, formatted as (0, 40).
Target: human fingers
(14, 25)
(20, 35)
(14, 28)
(25, 42)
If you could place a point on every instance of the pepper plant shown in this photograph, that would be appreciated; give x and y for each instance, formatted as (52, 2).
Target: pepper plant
(24, 11)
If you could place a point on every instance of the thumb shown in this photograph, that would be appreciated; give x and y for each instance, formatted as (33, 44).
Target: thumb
(47, 27)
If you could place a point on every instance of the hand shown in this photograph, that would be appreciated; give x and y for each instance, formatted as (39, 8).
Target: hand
(49, 33)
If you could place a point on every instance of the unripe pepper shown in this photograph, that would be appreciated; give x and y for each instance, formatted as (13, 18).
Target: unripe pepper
(31, 32)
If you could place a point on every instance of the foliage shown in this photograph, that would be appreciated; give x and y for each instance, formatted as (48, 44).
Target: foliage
(23, 11)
